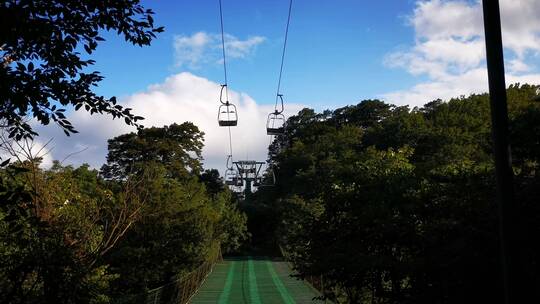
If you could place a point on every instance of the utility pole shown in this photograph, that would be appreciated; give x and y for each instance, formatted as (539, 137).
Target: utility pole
(501, 149)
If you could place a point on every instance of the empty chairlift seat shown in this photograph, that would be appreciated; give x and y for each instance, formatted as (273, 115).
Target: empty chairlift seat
(232, 178)
(238, 181)
(275, 124)
(227, 114)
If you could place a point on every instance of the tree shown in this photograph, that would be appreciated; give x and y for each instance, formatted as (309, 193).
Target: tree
(41, 69)
(53, 253)
(67, 235)
(188, 214)
(365, 114)
(212, 180)
(177, 147)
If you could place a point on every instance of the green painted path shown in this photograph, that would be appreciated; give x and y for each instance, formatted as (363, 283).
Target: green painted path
(253, 281)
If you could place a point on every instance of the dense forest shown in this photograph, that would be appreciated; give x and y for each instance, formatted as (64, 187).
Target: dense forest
(380, 203)
(78, 235)
(396, 205)
(384, 204)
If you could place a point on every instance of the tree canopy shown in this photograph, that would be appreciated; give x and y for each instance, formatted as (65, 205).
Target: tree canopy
(395, 205)
(42, 70)
(68, 235)
(176, 147)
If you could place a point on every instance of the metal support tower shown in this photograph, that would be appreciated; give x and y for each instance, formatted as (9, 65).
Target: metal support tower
(249, 171)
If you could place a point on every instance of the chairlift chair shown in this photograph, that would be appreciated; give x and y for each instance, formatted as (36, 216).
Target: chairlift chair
(269, 180)
(238, 181)
(257, 182)
(235, 181)
(230, 177)
(275, 124)
(227, 114)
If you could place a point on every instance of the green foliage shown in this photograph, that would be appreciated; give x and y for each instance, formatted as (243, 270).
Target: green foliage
(393, 205)
(67, 235)
(185, 214)
(171, 146)
(71, 235)
(50, 237)
(41, 69)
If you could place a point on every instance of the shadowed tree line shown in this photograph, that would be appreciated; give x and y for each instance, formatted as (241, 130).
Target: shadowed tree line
(397, 205)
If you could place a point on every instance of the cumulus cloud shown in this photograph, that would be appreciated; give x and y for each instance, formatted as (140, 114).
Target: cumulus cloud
(181, 97)
(449, 48)
(203, 48)
(472, 81)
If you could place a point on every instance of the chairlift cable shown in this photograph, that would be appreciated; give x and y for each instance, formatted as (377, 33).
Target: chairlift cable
(230, 144)
(277, 116)
(225, 73)
(283, 54)
(223, 48)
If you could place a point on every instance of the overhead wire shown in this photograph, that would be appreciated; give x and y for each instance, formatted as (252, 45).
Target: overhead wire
(283, 54)
(225, 76)
(223, 47)
(225, 85)
(278, 90)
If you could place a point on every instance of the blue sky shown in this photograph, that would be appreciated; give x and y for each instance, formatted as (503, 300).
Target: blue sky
(406, 52)
(335, 52)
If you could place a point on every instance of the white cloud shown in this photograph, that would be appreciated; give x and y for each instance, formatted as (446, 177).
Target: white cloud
(189, 50)
(181, 97)
(521, 26)
(517, 66)
(443, 88)
(450, 49)
(237, 48)
(438, 19)
(25, 150)
(203, 48)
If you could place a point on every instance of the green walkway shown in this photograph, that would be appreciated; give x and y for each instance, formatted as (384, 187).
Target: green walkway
(254, 281)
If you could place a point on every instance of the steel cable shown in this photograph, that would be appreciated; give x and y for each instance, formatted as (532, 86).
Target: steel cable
(283, 55)
(225, 77)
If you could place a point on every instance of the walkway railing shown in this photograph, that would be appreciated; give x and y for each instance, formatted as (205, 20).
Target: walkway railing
(181, 290)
